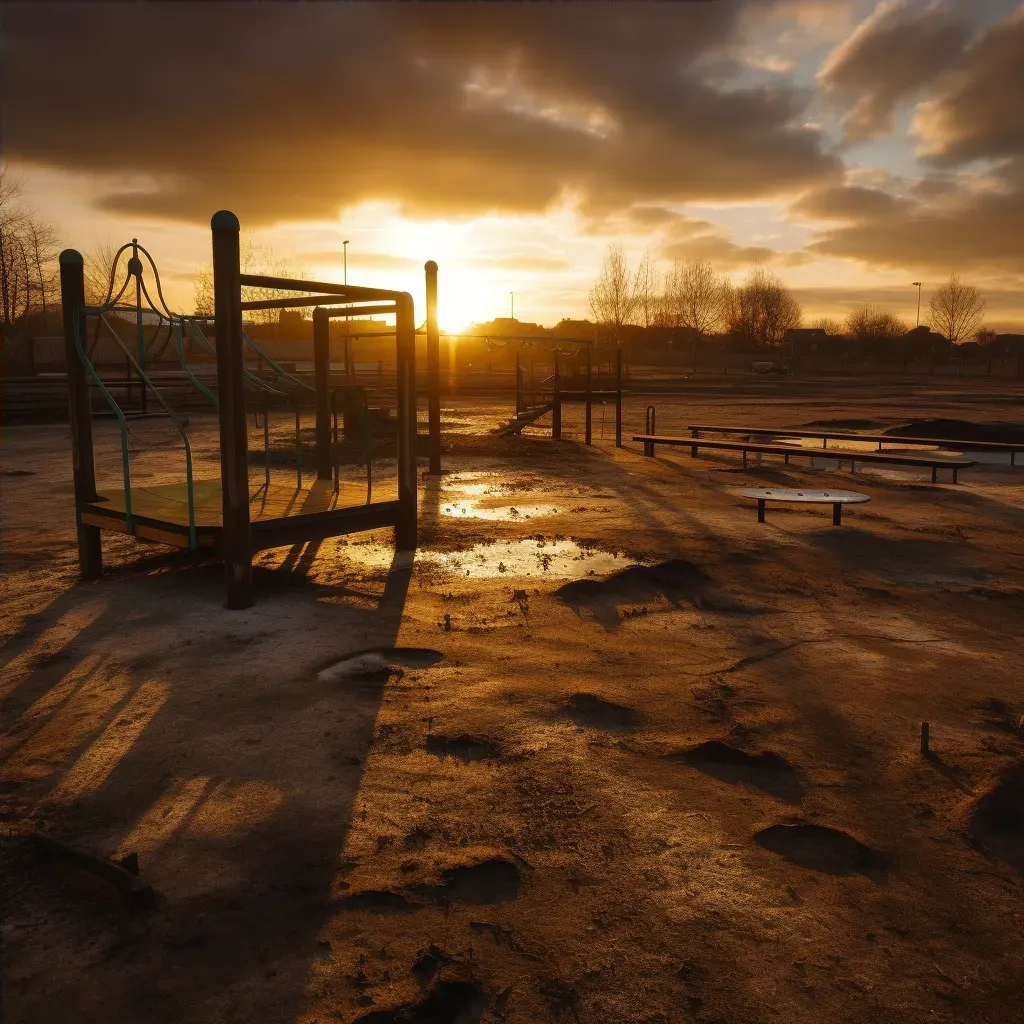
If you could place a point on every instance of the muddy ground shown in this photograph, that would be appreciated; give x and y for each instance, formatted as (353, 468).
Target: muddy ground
(605, 750)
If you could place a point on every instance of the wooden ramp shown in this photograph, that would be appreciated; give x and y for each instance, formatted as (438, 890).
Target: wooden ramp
(278, 514)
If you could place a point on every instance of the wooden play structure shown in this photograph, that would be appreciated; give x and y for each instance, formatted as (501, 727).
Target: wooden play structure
(536, 399)
(222, 516)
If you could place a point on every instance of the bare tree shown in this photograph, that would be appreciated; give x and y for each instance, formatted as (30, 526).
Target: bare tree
(14, 266)
(645, 289)
(41, 243)
(956, 309)
(613, 298)
(695, 296)
(762, 309)
(871, 322)
(832, 327)
(99, 262)
(253, 259)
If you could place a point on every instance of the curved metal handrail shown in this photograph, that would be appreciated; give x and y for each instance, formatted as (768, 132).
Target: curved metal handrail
(189, 490)
(76, 320)
(281, 371)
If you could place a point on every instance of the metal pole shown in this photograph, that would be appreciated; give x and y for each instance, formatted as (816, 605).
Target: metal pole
(618, 400)
(405, 333)
(590, 389)
(556, 411)
(72, 297)
(135, 266)
(322, 383)
(433, 370)
(236, 541)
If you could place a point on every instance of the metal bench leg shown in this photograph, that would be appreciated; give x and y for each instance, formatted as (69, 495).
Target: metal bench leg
(744, 458)
(693, 451)
(786, 457)
(935, 474)
(760, 510)
(837, 514)
(956, 475)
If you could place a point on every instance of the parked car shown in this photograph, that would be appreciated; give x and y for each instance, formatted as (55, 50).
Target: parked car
(766, 366)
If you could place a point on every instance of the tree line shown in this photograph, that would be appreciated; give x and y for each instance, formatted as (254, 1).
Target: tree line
(691, 295)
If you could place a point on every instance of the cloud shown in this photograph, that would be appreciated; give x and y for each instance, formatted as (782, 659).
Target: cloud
(894, 53)
(690, 238)
(938, 226)
(978, 115)
(542, 263)
(293, 112)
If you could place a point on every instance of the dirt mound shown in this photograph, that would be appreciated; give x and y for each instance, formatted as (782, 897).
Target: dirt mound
(452, 1002)
(766, 771)
(820, 848)
(960, 430)
(842, 424)
(593, 712)
(463, 747)
(675, 580)
(378, 901)
(997, 821)
(377, 664)
(491, 881)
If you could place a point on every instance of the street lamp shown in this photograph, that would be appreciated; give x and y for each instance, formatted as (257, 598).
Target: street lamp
(917, 285)
(512, 296)
(347, 342)
(344, 249)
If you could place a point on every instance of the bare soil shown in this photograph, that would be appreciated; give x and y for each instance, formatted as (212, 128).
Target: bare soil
(605, 750)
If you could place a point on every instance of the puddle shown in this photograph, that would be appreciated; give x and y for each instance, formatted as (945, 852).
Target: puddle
(554, 559)
(506, 513)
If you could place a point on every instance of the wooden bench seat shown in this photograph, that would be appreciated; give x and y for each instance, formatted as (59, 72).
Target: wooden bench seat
(841, 435)
(933, 462)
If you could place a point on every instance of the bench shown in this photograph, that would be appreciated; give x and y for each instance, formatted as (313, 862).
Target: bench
(839, 435)
(933, 462)
(837, 499)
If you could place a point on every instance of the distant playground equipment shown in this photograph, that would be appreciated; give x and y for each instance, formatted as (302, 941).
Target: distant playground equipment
(221, 515)
(539, 398)
(837, 499)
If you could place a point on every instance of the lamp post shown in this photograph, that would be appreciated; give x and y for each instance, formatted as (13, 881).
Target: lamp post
(512, 297)
(917, 285)
(344, 249)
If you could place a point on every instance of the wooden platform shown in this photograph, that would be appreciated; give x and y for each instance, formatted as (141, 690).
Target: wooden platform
(278, 514)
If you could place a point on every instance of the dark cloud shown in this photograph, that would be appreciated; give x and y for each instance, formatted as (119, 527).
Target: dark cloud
(894, 53)
(953, 228)
(979, 113)
(292, 111)
(846, 203)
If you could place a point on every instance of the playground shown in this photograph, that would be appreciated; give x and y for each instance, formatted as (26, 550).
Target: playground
(558, 733)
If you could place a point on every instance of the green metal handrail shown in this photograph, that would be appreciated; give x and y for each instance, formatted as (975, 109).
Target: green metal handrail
(100, 312)
(76, 319)
(279, 369)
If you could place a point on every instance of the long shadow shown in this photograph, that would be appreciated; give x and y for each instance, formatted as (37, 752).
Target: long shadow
(243, 868)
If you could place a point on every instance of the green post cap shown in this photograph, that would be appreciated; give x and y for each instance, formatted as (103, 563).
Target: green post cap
(224, 220)
(430, 267)
(71, 258)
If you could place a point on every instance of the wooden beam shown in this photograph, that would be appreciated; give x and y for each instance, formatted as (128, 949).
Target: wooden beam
(72, 294)
(322, 383)
(236, 541)
(433, 370)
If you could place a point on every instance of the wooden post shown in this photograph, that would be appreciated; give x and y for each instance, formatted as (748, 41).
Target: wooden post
(405, 336)
(618, 399)
(236, 541)
(433, 370)
(590, 390)
(519, 386)
(322, 383)
(556, 402)
(72, 297)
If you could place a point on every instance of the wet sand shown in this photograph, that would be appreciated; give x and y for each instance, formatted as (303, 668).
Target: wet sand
(606, 749)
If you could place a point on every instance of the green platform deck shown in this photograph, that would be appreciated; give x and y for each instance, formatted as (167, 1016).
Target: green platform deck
(278, 515)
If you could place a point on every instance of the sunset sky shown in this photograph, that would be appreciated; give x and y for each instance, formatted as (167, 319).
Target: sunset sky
(852, 146)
